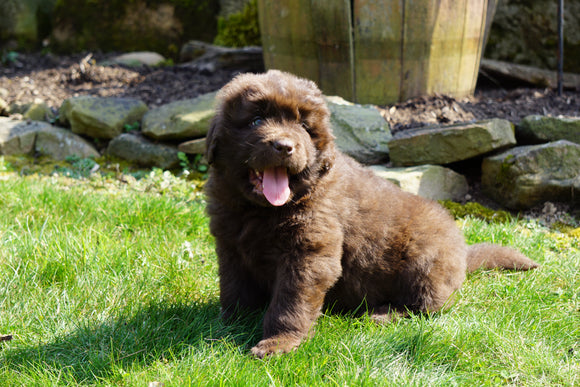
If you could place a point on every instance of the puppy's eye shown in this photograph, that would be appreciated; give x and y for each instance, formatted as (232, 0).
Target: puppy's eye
(309, 130)
(256, 121)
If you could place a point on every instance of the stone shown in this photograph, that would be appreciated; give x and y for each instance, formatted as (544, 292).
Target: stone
(99, 117)
(139, 58)
(137, 149)
(185, 119)
(361, 132)
(17, 108)
(524, 176)
(526, 32)
(450, 143)
(537, 129)
(38, 112)
(196, 147)
(25, 137)
(60, 143)
(3, 106)
(17, 137)
(429, 181)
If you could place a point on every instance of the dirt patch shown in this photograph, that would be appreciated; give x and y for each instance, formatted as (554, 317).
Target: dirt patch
(54, 78)
(510, 104)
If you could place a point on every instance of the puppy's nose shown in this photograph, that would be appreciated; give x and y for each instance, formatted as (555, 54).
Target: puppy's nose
(284, 146)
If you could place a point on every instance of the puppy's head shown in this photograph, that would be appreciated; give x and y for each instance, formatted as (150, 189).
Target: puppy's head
(271, 138)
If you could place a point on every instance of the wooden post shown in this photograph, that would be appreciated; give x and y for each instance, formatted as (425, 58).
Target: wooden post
(287, 31)
(377, 51)
(333, 36)
(378, 31)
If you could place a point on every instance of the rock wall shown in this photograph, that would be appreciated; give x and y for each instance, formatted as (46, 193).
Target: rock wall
(536, 161)
(161, 25)
(525, 32)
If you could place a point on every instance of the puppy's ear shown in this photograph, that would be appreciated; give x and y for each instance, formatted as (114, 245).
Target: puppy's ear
(211, 141)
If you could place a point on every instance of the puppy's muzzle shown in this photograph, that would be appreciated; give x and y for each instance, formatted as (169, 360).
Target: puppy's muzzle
(284, 147)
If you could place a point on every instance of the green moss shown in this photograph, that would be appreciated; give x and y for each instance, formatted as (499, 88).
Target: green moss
(575, 233)
(506, 164)
(562, 227)
(240, 29)
(476, 210)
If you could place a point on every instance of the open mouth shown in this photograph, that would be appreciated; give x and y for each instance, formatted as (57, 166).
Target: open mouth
(272, 183)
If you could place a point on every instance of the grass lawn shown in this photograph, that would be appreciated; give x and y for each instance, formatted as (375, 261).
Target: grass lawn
(111, 283)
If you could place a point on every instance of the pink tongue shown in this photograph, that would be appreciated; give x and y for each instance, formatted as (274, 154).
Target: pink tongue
(276, 188)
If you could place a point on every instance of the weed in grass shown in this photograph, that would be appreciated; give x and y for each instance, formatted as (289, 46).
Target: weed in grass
(4, 165)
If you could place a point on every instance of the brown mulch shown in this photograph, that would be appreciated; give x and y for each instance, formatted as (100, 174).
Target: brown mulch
(52, 79)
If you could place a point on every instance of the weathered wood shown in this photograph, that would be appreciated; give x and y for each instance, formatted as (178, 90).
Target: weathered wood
(418, 26)
(385, 51)
(444, 58)
(377, 50)
(476, 12)
(528, 74)
(333, 36)
(489, 15)
(287, 31)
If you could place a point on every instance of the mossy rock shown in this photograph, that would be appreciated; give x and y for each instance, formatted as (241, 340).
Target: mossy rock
(39, 112)
(137, 25)
(476, 210)
(525, 176)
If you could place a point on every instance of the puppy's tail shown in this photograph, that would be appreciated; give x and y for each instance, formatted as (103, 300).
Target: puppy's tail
(488, 256)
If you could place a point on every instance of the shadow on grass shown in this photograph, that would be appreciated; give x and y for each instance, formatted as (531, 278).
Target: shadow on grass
(155, 333)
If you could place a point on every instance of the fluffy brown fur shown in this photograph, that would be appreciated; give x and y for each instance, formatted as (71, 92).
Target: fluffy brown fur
(299, 225)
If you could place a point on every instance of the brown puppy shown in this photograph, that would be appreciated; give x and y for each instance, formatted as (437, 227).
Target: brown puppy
(298, 224)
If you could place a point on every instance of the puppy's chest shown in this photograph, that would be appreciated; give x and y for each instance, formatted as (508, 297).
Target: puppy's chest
(263, 242)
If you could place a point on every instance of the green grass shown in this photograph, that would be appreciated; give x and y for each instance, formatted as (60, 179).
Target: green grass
(111, 283)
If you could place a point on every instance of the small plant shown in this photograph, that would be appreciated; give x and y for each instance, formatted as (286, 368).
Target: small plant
(10, 57)
(198, 164)
(167, 63)
(79, 167)
(132, 127)
(5, 166)
(240, 29)
(183, 161)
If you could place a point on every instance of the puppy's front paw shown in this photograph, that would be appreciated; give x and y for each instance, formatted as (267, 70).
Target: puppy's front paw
(274, 345)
